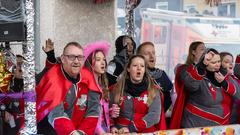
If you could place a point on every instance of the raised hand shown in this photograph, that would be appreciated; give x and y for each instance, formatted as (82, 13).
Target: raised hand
(49, 46)
(208, 57)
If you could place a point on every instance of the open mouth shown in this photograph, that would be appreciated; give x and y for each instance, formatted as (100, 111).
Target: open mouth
(102, 68)
(138, 74)
(152, 61)
(130, 52)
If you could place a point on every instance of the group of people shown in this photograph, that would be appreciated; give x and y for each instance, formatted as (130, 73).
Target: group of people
(206, 89)
(79, 93)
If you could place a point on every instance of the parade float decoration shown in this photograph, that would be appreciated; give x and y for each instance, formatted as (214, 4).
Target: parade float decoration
(21, 12)
(30, 124)
(5, 75)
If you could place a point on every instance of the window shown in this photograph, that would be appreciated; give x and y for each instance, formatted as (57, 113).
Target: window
(227, 10)
(162, 5)
(192, 9)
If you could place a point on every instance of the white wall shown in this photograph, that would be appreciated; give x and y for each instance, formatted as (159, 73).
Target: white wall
(75, 20)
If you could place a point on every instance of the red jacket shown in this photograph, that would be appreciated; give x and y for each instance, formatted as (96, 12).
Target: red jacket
(52, 91)
(182, 94)
(140, 111)
(180, 101)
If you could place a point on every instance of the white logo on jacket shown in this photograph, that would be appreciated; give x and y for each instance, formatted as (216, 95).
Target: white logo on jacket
(144, 98)
(82, 101)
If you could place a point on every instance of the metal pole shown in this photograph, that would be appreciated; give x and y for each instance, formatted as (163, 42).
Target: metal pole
(30, 126)
(129, 22)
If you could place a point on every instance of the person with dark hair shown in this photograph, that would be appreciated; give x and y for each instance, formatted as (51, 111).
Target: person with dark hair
(125, 47)
(236, 72)
(227, 63)
(139, 99)
(237, 67)
(195, 51)
(147, 50)
(69, 103)
(17, 71)
(207, 81)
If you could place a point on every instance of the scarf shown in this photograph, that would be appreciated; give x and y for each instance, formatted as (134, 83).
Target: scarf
(136, 90)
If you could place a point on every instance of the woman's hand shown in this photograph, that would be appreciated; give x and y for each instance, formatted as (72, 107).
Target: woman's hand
(114, 111)
(208, 57)
(7, 116)
(114, 130)
(123, 131)
(219, 77)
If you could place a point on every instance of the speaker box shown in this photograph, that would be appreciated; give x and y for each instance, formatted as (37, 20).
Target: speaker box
(12, 26)
(12, 32)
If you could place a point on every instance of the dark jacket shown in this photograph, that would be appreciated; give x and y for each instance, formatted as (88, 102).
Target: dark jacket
(116, 66)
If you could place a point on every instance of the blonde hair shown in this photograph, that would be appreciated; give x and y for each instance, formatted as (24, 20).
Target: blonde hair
(139, 49)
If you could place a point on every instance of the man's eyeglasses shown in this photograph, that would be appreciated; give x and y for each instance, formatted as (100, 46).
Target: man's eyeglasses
(73, 57)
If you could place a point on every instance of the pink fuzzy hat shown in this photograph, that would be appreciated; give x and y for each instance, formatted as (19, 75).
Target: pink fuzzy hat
(98, 45)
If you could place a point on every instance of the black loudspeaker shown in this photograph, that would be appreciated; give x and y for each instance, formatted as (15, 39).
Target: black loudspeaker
(12, 32)
(12, 26)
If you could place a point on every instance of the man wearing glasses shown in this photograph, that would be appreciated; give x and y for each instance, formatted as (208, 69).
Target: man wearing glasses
(64, 100)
